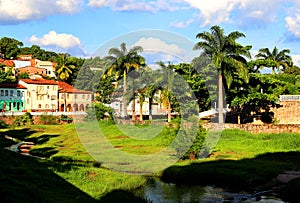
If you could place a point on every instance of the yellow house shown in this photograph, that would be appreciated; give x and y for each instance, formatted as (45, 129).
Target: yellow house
(72, 99)
(41, 94)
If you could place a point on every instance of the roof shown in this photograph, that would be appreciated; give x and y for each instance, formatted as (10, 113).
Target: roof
(65, 87)
(7, 62)
(12, 85)
(39, 81)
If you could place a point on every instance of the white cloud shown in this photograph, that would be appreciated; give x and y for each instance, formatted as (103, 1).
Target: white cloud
(17, 11)
(141, 5)
(59, 42)
(296, 59)
(233, 11)
(152, 44)
(293, 24)
(181, 24)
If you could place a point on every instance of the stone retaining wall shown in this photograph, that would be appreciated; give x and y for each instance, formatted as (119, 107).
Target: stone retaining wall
(258, 128)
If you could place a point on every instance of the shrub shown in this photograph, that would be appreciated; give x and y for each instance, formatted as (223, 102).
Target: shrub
(48, 119)
(3, 124)
(100, 111)
(23, 120)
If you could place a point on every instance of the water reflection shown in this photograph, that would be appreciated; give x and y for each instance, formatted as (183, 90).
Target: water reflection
(157, 191)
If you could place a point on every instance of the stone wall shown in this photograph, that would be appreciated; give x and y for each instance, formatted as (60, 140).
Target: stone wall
(257, 128)
(288, 112)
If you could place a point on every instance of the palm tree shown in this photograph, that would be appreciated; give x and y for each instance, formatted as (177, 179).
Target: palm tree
(274, 59)
(226, 55)
(123, 62)
(64, 69)
(166, 93)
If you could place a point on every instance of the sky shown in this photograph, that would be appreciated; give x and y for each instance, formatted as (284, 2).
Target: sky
(86, 28)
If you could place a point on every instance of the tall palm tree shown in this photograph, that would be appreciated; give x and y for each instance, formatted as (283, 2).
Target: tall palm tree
(226, 55)
(166, 93)
(274, 59)
(124, 61)
(64, 69)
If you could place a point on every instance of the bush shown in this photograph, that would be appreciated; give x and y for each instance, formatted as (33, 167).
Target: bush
(3, 124)
(100, 111)
(66, 118)
(48, 120)
(23, 120)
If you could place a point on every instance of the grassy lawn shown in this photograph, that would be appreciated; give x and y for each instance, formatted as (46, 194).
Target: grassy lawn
(69, 173)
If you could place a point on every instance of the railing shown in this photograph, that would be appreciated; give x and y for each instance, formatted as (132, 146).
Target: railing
(289, 98)
(43, 113)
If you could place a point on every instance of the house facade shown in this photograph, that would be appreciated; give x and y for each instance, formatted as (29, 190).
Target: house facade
(41, 94)
(72, 99)
(12, 97)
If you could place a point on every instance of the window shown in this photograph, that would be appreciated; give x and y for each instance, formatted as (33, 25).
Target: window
(47, 106)
(11, 93)
(18, 93)
(6, 92)
(27, 101)
(62, 96)
(68, 96)
(39, 106)
(48, 96)
(48, 87)
(14, 104)
(88, 96)
(54, 88)
(23, 93)
(83, 96)
(75, 96)
(2, 92)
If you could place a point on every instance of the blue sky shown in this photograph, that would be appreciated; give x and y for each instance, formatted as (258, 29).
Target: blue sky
(81, 27)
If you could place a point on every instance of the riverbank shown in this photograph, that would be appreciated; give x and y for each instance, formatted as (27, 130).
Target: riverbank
(241, 161)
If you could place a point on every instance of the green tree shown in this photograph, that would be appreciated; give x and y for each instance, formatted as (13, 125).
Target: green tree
(226, 55)
(10, 47)
(64, 68)
(274, 59)
(39, 53)
(124, 61)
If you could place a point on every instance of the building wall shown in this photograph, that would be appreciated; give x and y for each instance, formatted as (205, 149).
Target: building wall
(41, 97)
(12, 99)
(74, 101)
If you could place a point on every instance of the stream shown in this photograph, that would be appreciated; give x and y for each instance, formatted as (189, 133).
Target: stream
(157, 191)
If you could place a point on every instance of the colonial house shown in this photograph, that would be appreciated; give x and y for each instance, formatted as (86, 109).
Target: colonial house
(41, 94)
(35, 66)
(12, 97)
(48, 66)
(72, 99)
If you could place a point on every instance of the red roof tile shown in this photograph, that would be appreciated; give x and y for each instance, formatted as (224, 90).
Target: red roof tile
(39, 81)
(12, 85)
(65, 87)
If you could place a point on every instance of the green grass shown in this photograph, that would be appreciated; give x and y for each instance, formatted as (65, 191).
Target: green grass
(240, 160)
(69, 174)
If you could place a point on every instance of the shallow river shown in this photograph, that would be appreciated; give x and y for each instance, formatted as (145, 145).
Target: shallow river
(157, 191)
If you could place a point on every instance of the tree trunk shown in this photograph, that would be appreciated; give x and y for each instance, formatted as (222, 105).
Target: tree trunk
(220, 99)
(150, 109)
(141, 111)
(124, 111)
(133, 108)
(169, 111)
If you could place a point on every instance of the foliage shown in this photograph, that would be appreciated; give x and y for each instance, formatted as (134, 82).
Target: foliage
(274, 59)
(39, 53)
(10, 47)
(98, 111)
(23, 120)
(3, 124)
(48, 119)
